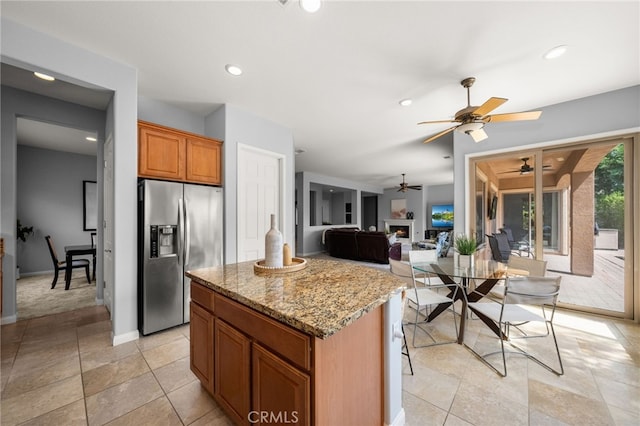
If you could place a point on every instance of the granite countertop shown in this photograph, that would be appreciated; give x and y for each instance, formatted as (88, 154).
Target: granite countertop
(319, 300)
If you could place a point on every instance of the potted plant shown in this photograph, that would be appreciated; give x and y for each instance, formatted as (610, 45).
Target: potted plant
(466, 247)
(22, 233)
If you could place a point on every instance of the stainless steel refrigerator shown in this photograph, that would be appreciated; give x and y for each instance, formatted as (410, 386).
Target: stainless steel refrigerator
(179, 229)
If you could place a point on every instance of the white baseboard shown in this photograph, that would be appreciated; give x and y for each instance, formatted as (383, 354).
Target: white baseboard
(125, 337)
(399, 420)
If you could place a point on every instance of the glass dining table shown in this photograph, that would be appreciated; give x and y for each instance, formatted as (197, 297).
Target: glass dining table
(487, 272)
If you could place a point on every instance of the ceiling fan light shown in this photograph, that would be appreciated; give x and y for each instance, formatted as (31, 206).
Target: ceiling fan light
(405, 102)
(469, 127)
(478, 135)
(43, 76)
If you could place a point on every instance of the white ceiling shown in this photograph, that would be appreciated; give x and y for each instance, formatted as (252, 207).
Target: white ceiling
(335, 77)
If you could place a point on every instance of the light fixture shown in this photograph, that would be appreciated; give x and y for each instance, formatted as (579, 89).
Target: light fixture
(310, 6)
(43, 76)
(556, 52)
(233, 69)
(406, 102)
(473, 129)
(299, 151)
(91, 139)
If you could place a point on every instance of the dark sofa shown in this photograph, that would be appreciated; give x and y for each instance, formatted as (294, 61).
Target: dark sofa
(350, 243)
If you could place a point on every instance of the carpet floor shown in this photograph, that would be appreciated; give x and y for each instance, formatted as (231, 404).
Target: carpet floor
(36, 298)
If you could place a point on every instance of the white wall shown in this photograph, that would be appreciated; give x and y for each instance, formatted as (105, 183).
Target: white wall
(49, 198)
(30, 49)
(416, 201)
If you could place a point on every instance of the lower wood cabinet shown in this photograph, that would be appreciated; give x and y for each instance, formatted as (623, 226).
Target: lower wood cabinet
(280, 391)
(201, 345)
(232, 360)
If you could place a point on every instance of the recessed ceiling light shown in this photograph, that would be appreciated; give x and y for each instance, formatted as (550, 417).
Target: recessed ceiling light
(91, 139)
(556, 52)
(233, 69)
(310, 6)
(43, 76)
(299, 151)
(406, 102)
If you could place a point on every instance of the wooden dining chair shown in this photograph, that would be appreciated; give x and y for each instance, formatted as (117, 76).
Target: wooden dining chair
(93, 246)
(62, 265)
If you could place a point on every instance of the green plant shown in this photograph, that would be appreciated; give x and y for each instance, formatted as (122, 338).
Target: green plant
(24, 231)
(465, 245)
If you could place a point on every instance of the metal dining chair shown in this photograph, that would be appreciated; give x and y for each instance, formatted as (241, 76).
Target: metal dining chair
(526, 299)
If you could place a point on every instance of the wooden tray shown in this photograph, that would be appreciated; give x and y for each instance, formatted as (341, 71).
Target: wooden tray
(297, 264)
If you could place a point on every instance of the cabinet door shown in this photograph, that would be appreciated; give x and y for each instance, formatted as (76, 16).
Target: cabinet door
(203, 161)
(279, 389)
(201, 342)
(161, 154)
(232, 371)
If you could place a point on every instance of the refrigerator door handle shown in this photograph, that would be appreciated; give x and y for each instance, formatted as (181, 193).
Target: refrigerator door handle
(180, 231)
(187, 244)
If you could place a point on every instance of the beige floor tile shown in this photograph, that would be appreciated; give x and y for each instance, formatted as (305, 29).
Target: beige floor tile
(44, 357)
(175, 375)
(26, 380)
(191, 402)
(447, 359)
(538, 418)
(96, 358)
(481, 407)
(167, 353)
(13, 332)
(114, 373)
(42, 400)
(94, 342)
(431, 386)
(455, 421)
(94, 328)
(420, 413)
(575, 379)
(121, 399)
(9, 350)
(619, 394)
(623, 417)
(566, 406)
(215, 417)
(620, 372)
(70, 415)
(154, 340)
(158, 412)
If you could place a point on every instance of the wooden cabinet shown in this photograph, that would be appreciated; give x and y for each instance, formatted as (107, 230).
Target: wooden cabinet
(201, 345)
(266, 372)
(232, 385)
(171, 154)
(279, 388)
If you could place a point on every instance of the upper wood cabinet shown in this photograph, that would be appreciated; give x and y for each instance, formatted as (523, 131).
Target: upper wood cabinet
(171, 154)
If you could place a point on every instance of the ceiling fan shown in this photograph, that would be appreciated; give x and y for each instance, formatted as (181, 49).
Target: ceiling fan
(473, 118)
(404, 186)
(526, 168)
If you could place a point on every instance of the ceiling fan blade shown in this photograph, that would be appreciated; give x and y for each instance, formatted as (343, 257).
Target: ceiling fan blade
(513, 116)
(438, 121)
(437, 135)
(478, 135)
(418, 187)
(489, 106)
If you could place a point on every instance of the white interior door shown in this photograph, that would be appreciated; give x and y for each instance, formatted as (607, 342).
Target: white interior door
(108, 224)
(259, 196)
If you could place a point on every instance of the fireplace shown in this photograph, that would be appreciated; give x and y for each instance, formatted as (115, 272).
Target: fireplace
(403, 228)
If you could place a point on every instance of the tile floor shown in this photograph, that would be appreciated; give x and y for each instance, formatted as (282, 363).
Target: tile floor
(61, 370)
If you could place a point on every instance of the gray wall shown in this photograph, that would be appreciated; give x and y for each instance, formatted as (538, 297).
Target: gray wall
(416, 201)
(437, 194)
(49, 198)
(309, 238)
(610, 113)
(24, 47)
(243, 127)
(167, 115)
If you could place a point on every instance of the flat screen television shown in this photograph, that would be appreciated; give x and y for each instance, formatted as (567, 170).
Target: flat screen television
(442, 216)
(493, 207)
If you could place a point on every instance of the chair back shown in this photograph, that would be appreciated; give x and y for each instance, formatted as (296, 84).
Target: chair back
(509, 234)
(503, 246)
(423, 256)
(535, 291)
(93, 240)
(537, 268)
(495, 250)
(52, 251)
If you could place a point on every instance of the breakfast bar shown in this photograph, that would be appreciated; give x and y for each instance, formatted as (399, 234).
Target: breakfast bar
(319, 345)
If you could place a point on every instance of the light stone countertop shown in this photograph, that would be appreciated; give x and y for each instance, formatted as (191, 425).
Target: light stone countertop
(319, 300)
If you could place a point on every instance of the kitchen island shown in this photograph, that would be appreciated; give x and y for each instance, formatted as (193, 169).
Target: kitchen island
(314, 346)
